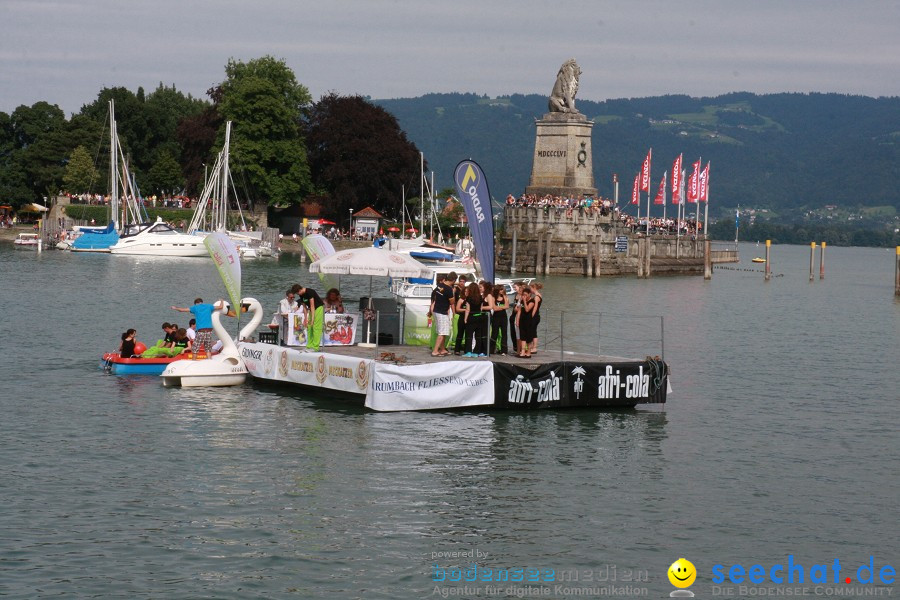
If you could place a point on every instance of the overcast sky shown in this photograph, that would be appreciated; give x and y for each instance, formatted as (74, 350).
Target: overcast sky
(66, 51)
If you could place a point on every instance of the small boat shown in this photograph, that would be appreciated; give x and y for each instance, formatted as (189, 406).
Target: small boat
(223, 369)
(117, 365)
(158, 239)
(758, 260)
(27, 241)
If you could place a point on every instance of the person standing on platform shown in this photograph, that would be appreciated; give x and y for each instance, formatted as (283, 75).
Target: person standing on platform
(499, 321)
(514, 318)
(442, 311)
(523, 322)
(474, 342)
(459, 309)
(536, 288)
(203, 313)
(315, 317)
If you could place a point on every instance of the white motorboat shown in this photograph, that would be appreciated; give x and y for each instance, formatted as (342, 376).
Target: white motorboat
(158, 239)
(27, 241)
(223, 369)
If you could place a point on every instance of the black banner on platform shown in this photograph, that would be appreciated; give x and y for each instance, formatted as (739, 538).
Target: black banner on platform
(570, 384)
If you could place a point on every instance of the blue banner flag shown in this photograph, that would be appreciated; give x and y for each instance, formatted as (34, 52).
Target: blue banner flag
(476, 199)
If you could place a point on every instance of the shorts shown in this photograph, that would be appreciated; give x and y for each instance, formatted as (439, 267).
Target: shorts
(442, 324)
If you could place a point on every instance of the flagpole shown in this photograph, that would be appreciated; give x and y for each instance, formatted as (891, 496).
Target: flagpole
(649, 186)
(706, 208)
(697, 208)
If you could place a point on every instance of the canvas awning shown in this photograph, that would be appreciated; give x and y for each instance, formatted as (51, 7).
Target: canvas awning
(34, 207)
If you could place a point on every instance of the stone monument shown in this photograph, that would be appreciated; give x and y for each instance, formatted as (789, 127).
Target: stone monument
(562, 148)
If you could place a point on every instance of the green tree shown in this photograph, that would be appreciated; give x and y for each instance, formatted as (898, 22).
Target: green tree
(359, 155)
(80, 175)
(197, 135)
(164, 177)
(266, 104)
(41, 147)
(13, 181)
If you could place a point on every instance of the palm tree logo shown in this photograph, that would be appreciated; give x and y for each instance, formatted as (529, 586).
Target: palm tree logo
(579, 372)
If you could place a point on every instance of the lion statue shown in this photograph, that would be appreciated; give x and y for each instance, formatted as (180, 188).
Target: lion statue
(562, 98)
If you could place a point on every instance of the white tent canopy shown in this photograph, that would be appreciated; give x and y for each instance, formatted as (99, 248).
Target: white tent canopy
(33, 207)
(370, 261)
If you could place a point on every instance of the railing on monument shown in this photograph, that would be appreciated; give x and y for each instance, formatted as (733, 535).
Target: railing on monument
(609, 335)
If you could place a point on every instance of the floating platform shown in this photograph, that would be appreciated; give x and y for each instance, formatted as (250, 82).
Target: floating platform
(402, 378)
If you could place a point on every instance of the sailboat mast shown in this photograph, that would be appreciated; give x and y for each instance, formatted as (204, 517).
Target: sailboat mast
(113, 167)
(223, 208)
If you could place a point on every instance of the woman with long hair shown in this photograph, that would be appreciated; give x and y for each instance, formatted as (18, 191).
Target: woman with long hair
(514, 317)
(536, 288)
(474, 342)
(126, 348)
(488, 306)
(524, 322)
(499, 320)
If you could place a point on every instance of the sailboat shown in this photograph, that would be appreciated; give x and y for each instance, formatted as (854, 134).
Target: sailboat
(211, 214)
(93, 240)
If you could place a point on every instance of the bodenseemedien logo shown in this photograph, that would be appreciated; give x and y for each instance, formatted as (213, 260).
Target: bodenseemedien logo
(682, 574)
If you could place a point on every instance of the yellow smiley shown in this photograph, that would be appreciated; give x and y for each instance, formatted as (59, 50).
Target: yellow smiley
(682, 573)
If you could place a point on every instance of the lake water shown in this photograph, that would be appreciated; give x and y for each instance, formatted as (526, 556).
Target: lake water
(780, 438)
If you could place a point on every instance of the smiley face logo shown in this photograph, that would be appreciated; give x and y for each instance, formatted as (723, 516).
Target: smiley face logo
(682, 573)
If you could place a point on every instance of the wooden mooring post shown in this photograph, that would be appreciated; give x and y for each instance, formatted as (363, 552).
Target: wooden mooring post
(897, 274)
(812, 259)
(768, 259)
(822, 262)
(707, 259)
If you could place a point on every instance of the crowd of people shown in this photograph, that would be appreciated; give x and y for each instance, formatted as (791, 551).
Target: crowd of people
(483, 318)
(585, 205)
(162, 200)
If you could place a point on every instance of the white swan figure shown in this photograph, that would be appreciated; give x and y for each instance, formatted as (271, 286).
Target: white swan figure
(225, 368)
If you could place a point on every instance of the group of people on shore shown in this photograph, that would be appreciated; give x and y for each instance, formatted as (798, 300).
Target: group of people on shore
(478, 314)
(589, 204)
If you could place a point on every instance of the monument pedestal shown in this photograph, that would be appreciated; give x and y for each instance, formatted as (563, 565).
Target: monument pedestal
(562, 156)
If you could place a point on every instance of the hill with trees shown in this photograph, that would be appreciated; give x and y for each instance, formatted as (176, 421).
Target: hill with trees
(788, 153)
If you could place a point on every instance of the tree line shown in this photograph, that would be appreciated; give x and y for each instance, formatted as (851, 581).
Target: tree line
(342, 151)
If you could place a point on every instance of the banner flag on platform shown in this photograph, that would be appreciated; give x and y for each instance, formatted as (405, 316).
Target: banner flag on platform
(694, 184)
(635, 191)
(645, 172)
(704, 184)
(317, 247)
(661, 194)
(225, 254)
(676, 179)
(476, 199)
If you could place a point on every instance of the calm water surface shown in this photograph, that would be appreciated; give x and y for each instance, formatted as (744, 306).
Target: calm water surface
(780, 438)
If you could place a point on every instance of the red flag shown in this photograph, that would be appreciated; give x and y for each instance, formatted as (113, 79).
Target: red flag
(661, 194)
(645, 172)
(635, 194)
(676, 179)
(704, 184)
(694, 184)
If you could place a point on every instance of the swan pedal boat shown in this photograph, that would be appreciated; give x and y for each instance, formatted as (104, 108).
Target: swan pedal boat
(223, 369)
